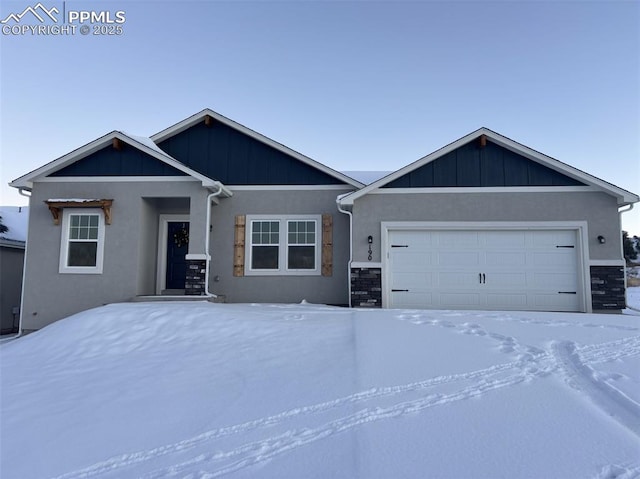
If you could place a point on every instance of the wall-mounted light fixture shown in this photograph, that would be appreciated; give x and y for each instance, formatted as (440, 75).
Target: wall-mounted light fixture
(370, 241)
(602, 239)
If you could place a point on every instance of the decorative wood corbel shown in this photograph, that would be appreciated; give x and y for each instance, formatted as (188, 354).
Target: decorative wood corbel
(56, 206)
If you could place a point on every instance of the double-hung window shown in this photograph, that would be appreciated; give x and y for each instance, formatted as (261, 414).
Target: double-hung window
(283, 245)
(301, 245)
(265, 245)
(82, 244)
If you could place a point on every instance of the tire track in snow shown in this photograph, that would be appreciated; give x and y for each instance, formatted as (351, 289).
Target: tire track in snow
(506, 344)
(555, 322)
(611, 351)
(131, 459)
(264, 450)
(582, 377)
(616, 471)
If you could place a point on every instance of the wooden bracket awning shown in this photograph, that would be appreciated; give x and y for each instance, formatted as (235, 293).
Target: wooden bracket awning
(55, 206)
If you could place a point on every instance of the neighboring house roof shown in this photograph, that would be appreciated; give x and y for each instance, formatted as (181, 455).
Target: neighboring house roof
(16, 219)
(140, 143)
(187, 123)
(624, 197)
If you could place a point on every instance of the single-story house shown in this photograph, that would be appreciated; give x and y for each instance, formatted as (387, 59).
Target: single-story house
(12, 245)
(209, 207)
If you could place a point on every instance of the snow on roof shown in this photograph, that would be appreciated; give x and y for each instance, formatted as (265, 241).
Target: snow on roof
(148, 142)
(16, 218)
(71, 200)
(366, 177)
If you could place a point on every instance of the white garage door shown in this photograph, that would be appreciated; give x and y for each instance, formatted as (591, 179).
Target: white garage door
(502, 270)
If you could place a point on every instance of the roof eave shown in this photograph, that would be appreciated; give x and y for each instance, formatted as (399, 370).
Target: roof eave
(624, 197)
(26, 181)
(193, 119)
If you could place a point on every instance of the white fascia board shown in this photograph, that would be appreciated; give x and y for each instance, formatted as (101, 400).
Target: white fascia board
(624, 197)
(193, 119)
(288, 187)
(110, 179)
(487, 189)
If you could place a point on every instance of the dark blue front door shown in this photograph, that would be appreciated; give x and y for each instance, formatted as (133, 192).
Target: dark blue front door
(177, 248)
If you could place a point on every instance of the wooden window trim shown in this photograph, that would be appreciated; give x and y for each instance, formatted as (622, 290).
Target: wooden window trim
(238, 246)
(327, 245)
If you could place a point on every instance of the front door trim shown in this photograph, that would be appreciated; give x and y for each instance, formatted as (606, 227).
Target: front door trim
(163, 228)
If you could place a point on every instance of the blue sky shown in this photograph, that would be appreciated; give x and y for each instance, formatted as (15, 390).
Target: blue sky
(354, 85)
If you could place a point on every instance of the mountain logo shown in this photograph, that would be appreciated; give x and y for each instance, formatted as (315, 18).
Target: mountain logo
(38, 11)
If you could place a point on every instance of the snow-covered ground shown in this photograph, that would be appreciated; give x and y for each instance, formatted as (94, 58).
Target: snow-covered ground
(201, 390)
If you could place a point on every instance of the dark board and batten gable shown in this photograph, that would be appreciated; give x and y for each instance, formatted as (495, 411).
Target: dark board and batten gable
(481, 164)
(225, 154)
(125, 160)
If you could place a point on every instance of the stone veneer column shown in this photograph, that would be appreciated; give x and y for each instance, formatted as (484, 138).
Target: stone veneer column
(607, 288)
(194, 284)
(366, 287)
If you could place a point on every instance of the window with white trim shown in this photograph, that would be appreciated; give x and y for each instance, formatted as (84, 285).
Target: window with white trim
(283, 245)
(265, 245)
(82, 243)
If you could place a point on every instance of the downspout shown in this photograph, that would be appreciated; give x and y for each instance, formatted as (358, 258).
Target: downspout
(350, 214)
(21, 191)
(207, 236)
(620, 211)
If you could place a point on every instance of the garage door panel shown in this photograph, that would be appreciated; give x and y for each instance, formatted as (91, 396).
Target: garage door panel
(506, 301)
(422, 239)
(550, 239)
(491, 269)
(555, 302)
(411, 300)
(459, 300)
(556, 260)
(457, 279)
(504, 240)
(458, 259)
(503, 260)
(553, 282)
(413, 261)
(417, 281)
(457, 239)
(505, 281)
